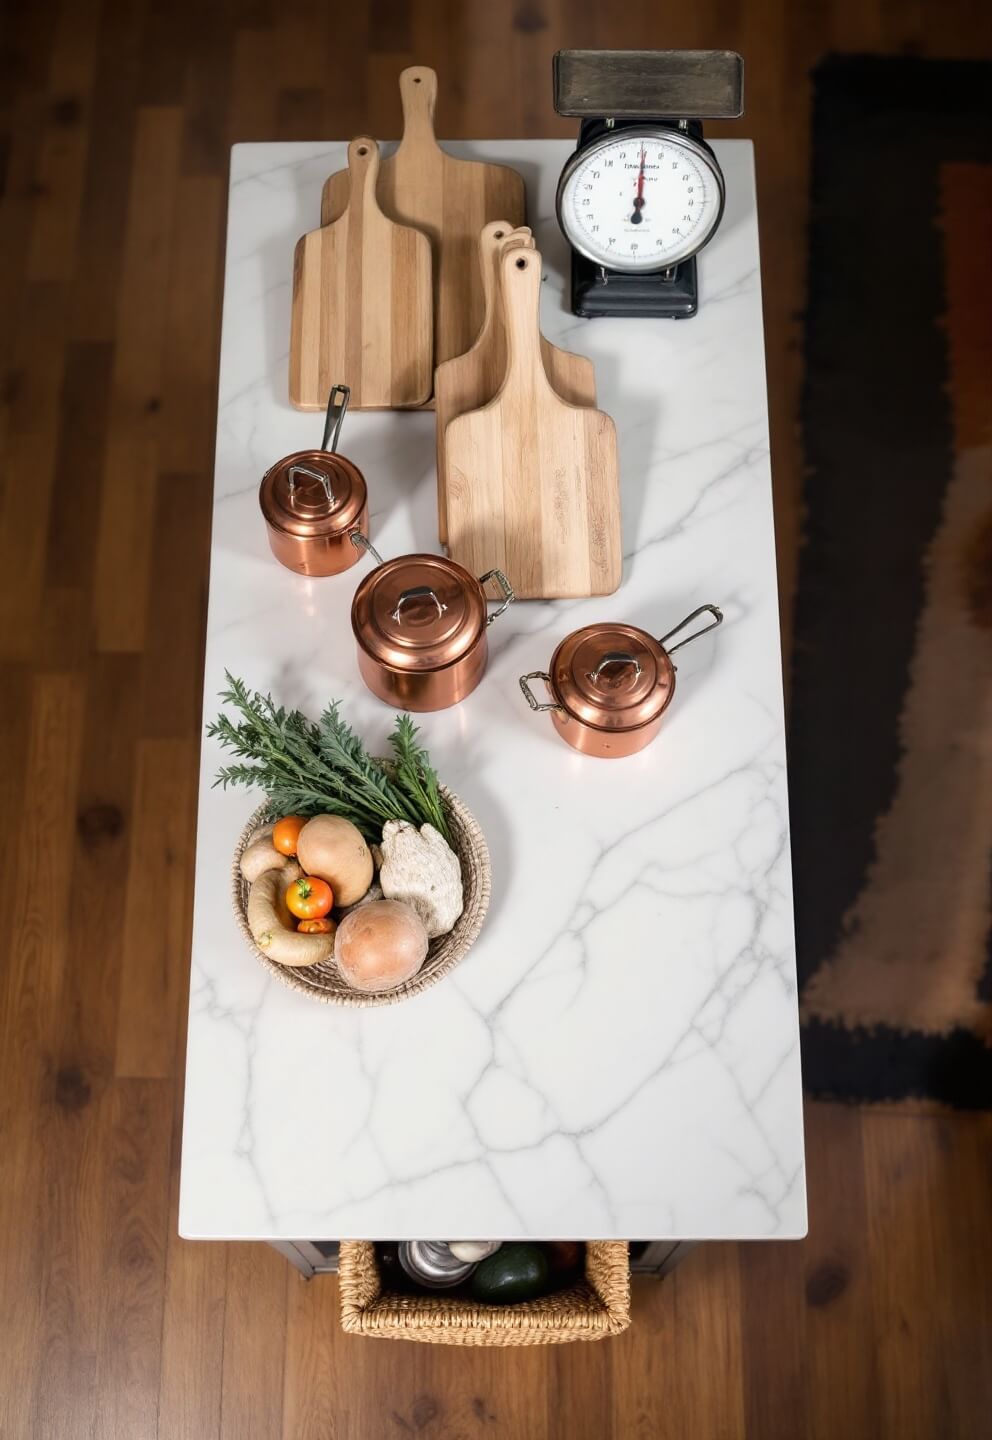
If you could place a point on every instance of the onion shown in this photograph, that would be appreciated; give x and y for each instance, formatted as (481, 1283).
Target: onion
(380, 945)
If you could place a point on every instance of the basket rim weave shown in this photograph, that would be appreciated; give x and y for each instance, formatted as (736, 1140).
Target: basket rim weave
(593, 1309)
(443, 953)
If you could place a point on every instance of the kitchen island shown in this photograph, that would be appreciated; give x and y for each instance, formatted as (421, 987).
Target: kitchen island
(618, 1055)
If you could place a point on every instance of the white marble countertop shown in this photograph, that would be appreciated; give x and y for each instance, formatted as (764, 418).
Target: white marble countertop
(618, 1056)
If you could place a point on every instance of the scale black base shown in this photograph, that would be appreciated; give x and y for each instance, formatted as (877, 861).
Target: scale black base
(671, 295)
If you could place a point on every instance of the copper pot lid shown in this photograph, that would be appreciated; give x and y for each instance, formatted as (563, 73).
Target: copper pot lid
(313, 493)
(419, 612)
(615, 677)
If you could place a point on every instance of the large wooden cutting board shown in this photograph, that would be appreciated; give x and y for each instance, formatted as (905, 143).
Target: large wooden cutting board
(469, 381)
(533, 483)
(449, 200)
(362, 308)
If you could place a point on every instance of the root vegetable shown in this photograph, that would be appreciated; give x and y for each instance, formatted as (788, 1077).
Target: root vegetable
(260, 854)
(273, 927)
(380, 945)
(333, 849)
(420, 868)
(472, 1251)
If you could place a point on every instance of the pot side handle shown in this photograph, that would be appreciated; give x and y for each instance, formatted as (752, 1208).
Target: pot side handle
(532, 699)
(506, 588)
(361, 542)
(717, 619)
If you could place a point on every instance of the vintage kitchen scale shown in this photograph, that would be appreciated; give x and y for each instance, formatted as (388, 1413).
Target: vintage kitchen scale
(643, 192)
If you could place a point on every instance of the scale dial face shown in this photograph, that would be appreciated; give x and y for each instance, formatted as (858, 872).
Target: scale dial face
(640, 200)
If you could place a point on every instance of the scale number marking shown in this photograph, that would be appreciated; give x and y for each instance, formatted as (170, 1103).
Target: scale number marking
(640, 203)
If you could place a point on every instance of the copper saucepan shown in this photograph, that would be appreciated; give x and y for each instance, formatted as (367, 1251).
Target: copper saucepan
(315, 500)
(611, 684)
(421, 623)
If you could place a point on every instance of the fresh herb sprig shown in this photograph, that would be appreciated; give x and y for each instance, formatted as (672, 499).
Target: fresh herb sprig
(414, 775)
(308, 769)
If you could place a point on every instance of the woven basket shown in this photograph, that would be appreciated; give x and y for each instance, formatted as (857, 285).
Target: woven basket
(597, 1306)
(324, 981)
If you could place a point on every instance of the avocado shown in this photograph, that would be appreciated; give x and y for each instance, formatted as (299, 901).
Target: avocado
(516, 1272)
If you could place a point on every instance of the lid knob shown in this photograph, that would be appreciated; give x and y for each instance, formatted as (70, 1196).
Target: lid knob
(412, 596)
(318, 475)
(625, 670)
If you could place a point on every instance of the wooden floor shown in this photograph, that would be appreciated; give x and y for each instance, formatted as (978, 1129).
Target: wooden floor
(115, 122)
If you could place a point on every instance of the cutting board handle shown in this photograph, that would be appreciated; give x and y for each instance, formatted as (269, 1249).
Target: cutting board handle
(491, 237)
(363, 171)
(418, 94)
(521, 277)
(494, 238)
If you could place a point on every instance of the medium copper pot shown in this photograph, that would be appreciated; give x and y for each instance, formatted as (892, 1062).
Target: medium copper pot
(421, 622)
(611, 684)
(315, 500)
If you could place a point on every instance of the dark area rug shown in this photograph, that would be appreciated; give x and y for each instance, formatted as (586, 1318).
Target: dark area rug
(891, 717)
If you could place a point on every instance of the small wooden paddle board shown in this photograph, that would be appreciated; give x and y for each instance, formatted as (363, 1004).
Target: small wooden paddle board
(362, 306)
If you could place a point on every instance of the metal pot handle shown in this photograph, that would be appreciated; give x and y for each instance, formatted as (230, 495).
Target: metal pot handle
(713, 610)
(337, 406)
(615, 657)
(530, 697)
(361, 542)
(325, 480)
(417, 592)
(506, 588)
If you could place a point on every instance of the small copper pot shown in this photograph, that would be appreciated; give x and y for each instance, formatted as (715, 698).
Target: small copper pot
(421, 623)
(315, 500)
(611, 684)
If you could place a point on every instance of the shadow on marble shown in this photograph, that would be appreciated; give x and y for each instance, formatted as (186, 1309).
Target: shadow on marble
(489, 808)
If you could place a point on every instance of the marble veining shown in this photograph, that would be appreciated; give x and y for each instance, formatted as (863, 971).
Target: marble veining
(618, 1056)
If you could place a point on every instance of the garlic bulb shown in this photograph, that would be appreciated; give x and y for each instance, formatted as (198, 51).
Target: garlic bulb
(473, 1250)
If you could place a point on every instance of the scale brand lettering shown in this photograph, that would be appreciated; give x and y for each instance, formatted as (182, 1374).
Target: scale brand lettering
(636, 165)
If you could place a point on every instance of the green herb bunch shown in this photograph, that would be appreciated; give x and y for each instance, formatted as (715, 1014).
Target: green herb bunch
(308, 769)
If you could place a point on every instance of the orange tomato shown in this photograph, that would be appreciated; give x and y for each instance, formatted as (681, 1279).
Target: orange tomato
(308, 898)
(287, 833)
(320, 926)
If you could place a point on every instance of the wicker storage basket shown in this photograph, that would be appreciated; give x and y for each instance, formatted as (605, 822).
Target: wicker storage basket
(324, 982)
(597, 1306)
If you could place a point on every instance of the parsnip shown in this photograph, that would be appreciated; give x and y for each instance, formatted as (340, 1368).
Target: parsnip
(273, 927)
(260, 854)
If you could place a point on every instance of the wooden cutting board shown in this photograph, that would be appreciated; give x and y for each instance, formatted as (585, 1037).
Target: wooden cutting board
(533, 482)
(362, 308)
(449, 200)
(469, 381)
